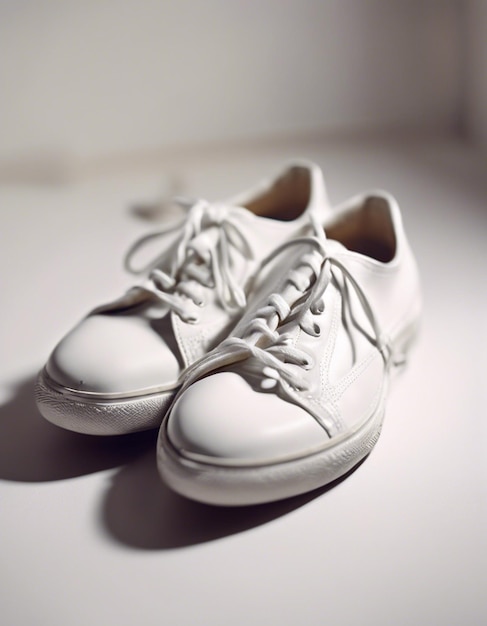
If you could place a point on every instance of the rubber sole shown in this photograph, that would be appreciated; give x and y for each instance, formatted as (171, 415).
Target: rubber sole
(99, 415)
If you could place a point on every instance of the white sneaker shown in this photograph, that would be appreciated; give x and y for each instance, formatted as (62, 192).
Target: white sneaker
(295, 397)
(119, 368)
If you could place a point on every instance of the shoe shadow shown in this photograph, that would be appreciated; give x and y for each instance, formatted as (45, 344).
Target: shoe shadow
(33, 450)
(140, 512)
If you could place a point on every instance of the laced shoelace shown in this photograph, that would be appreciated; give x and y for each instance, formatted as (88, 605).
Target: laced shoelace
(203, 257)
(268, 338)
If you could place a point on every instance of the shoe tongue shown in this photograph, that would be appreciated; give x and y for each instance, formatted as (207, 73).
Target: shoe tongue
(318, 193)
(333, 247)
(281, 280)
(265, 234)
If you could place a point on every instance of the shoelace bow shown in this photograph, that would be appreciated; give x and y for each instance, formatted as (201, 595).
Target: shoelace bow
(268, 337)
(209, 233)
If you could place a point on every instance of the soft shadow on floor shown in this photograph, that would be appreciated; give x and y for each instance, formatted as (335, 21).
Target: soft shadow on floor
(139, 511)
(33, 450)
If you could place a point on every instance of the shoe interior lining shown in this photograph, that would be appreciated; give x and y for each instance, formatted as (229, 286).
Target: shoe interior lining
(367, 229)
(287, 198)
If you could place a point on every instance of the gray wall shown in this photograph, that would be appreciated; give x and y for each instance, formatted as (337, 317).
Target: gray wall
(89, 78)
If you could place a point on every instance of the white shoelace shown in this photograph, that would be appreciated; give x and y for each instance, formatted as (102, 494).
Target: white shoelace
(203, 257)
(268, 337)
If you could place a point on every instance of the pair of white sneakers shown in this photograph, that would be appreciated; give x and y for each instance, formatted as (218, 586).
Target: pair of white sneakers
(261, 342)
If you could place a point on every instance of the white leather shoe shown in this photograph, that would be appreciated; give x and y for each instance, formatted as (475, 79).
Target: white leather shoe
(119, 368)
(295, 397)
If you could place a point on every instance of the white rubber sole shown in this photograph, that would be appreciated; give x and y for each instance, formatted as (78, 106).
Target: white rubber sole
(99, 415)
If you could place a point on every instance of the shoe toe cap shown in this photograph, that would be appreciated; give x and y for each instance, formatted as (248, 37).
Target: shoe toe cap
(224, 418)
(112, 354)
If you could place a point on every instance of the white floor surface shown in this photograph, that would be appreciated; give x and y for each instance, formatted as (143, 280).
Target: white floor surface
(90, 536)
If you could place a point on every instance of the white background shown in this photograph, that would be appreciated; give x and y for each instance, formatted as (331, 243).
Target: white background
(106, 105)
(88, 79)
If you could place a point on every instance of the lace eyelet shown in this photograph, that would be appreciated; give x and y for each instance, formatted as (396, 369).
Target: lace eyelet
(191, 319)
(317, 308)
